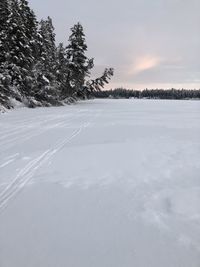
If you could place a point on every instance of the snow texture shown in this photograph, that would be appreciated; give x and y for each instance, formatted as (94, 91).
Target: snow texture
(103, 183)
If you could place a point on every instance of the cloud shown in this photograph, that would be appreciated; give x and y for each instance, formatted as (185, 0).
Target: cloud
(144, 46)
(144, 63)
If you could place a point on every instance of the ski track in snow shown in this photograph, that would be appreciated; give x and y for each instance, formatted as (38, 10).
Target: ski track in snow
(26, 173)
(22, 135)
(6, 163)
(117, 176)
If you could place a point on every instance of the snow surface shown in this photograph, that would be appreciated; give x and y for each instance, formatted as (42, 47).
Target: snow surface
(103, 183)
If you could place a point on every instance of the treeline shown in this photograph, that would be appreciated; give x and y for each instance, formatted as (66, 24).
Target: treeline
(33, 69)
(149, 94)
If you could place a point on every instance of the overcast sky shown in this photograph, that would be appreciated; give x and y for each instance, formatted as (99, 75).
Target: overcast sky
(150, 43)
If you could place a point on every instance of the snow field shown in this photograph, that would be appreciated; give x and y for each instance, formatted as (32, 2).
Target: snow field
(101, 183)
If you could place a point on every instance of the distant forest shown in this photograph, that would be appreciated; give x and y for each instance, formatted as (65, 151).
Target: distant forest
(35, 70)
(149, 94)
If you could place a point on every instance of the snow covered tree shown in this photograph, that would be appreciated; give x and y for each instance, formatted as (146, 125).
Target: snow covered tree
(4, 17)
(78, 63)
(4, 13)
(8, 9)
(19, 47)
(62, 71)
(47, 87)
(30, 28)
(32, 69)
(99, 83)
(48, 48)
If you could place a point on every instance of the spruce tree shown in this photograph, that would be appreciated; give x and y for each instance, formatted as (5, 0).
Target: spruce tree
(47, 87)
(5, 78)
(4, 13)
(48, 48)
(99, 83)
(30, 29)
(19, 47)
(4, 24)
(30, 26)
(33, 68)
(20, 54)
(79, 64)
(62, 71)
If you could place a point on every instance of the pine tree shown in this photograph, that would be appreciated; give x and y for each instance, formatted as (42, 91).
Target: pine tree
(33, 68)
(4, 17)
(79, 64)
(48, 48)
(30, 28)
(99, 83)
(62, 71)
(19, 47)
(4, 13)
(47, 87)
(5, 78)
(20, 55)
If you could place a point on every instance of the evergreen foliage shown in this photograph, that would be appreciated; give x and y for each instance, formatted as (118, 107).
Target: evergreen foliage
(99, 83)
(149, 94)
(4, 77)
(33, 69)
(79, 65)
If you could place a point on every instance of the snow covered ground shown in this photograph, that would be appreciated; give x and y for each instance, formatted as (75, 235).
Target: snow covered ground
(103, 183)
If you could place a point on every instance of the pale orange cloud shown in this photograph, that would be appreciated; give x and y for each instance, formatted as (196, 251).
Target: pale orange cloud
(144, 63)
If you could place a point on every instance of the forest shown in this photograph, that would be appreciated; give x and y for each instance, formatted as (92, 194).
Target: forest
(34, 70)
(149, 93)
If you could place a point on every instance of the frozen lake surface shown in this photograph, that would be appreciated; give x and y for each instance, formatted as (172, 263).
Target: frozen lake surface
(103, 183)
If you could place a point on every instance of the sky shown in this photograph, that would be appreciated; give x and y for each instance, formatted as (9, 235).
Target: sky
(149, 43)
